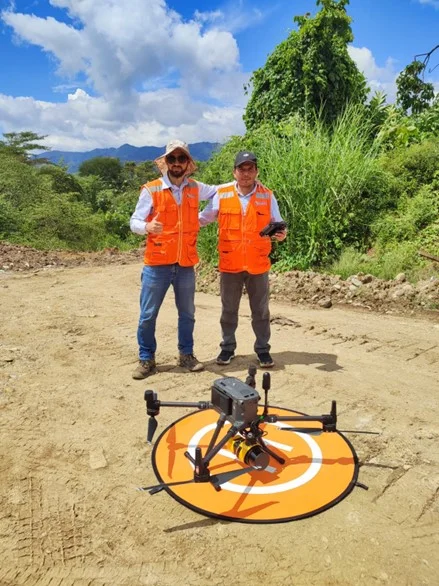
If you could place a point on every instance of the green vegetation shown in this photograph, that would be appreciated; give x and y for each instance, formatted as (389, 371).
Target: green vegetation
(356, 181)
(413, 92)
(310, 72)
(108, 169)
(46, 207)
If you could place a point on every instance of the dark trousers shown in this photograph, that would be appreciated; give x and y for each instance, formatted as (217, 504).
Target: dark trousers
(257, 287)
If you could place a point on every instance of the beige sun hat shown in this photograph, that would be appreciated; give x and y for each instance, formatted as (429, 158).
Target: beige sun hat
(170, 147)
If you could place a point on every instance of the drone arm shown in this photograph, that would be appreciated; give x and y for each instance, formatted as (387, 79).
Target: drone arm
(274, 418)
(153, 408)
(153, 404)
(196, 405)
(220, 424)
(328, 421)
(214, 451)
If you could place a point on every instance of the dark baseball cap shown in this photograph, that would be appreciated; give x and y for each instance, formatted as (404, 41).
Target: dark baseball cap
(245, 157)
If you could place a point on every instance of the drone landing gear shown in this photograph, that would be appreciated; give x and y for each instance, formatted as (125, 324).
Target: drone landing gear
(270, 452)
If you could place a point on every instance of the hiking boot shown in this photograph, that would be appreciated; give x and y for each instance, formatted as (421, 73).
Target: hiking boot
(265, 360)
(144, 369)
(190, 362)
(225, 357)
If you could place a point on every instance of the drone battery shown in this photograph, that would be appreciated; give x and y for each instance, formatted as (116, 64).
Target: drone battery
(236, 400)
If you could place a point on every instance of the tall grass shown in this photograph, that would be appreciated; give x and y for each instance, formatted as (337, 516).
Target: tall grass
(327, 181)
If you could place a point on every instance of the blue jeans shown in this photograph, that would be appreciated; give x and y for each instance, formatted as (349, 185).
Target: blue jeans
(155, 283)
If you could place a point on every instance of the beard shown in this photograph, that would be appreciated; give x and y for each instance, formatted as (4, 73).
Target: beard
(177, 172)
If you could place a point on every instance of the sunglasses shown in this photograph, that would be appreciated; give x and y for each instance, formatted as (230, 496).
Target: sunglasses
(171, 159)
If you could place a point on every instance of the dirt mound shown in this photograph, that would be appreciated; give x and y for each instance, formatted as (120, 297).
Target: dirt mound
(24, 258)
(364, 291)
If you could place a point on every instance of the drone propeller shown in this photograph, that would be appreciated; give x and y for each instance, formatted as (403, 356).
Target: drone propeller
(152, 426)
(358, 431)
(303, 429)
(321, 430)
(216, 480)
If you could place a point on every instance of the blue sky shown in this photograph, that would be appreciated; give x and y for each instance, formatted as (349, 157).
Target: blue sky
(100, 73)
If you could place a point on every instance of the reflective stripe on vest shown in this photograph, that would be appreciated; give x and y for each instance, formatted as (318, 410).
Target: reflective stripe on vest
(178, 241)
(240, 246)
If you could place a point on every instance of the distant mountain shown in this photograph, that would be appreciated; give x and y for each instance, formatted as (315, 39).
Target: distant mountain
(201, 151)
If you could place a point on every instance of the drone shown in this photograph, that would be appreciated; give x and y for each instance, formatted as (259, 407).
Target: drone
(237, 405)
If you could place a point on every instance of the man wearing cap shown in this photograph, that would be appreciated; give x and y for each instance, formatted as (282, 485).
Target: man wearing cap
(167, 212)
(243, 208)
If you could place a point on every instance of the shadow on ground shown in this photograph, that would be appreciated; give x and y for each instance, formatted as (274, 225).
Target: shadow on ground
(325, 362)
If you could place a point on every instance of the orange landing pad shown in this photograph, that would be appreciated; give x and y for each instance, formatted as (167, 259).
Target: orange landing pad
(320, 470)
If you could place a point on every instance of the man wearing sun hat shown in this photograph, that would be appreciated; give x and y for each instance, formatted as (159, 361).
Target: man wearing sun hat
(167, 212)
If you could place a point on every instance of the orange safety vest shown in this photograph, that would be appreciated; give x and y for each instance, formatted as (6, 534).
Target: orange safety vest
(178, 241)
(240, 246)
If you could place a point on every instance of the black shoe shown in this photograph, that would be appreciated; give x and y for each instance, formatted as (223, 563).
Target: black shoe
(225, 357)
(265, 360)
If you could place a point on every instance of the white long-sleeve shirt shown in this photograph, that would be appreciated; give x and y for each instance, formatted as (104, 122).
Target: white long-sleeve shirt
(145, 203)
(210, 212)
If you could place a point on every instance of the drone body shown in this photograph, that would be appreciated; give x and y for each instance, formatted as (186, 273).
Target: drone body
(236, 400)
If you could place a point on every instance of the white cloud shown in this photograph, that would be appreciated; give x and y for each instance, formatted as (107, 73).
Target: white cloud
(53, 36)
(124, 41)
(233, 17)
(153, 74)
(378, 78)
(84, 122)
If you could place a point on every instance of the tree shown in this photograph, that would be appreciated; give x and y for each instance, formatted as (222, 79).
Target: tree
(311, 71)
(61, 181)
(134, 175)
(20, 143)
(413, 92)
(109, 169)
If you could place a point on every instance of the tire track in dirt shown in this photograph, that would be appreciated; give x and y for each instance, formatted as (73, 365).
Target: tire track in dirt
(49, 524)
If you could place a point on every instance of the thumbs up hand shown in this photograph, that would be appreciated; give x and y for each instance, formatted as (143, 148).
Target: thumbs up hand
(154, 226)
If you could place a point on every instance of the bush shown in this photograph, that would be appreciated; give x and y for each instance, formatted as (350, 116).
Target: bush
(351, 262)
(118, 213)
(413, 166)
(59, 222)
(61, 181)
(385, 264)
(9, 219)
(19, 182)
(413, 216)
(399, 237)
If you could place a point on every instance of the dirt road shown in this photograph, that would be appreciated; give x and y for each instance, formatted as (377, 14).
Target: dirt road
(73, 449)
